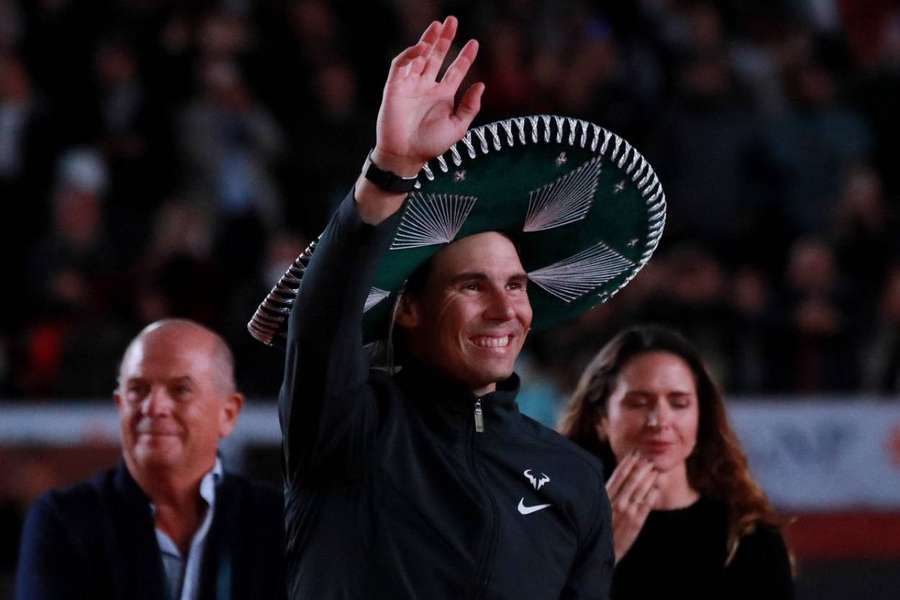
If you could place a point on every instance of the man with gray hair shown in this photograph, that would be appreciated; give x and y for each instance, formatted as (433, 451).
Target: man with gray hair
(167, 522)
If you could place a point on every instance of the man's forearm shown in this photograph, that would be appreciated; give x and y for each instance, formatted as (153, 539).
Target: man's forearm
(326, 367)
(374, 204)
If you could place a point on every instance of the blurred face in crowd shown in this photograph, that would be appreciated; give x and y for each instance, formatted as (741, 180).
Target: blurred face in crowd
(811, 266)
(653, 408)
(176, 400)
(471, 319)
(15, 86)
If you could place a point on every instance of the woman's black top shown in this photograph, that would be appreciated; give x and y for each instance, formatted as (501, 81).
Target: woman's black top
(681, 554)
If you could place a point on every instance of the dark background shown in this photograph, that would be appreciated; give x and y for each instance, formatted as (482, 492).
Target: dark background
(162, 158)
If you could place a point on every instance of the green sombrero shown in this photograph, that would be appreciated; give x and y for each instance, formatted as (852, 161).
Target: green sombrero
(583, 206)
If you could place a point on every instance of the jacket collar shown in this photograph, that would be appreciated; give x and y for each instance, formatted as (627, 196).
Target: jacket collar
(446, 395)
(222, 538)
(129, 488)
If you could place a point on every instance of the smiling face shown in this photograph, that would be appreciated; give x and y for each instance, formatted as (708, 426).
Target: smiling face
(176, 400)
(653, 408)
(471, 319)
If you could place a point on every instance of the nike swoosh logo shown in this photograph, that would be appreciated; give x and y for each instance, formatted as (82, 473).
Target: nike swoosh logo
(527, 510)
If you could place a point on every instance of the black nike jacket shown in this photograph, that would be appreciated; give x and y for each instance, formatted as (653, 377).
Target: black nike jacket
(390, 490)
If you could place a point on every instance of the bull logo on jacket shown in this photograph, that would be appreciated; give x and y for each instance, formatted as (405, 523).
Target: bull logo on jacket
(536, 482)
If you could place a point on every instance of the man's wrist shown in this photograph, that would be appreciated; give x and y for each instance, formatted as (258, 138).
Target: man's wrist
(376, 201)
(386, 179)
(400, 165)
(373, 204)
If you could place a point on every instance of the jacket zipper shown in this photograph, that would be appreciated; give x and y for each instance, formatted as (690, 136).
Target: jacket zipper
(479, 417)
(483, 575)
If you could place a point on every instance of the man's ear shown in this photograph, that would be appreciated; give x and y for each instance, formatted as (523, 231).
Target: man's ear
(408, 312)
(229, 413)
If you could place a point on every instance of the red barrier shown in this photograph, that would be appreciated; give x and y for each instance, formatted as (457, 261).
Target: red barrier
(845, 535)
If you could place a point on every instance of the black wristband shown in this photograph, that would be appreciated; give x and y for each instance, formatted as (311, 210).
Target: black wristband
(387, 180)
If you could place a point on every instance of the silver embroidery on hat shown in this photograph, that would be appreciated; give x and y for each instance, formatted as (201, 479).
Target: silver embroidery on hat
(482, 138)
(454, 152)
(432, 219)
(520, 124)
(495, 136)
(533, 119)
(577, 275)
(507, 128)
(564, 201)
(560, 121)
(467, 142)
(375, 296)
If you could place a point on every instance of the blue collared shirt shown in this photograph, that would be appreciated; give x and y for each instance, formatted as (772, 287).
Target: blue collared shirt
(183, 573)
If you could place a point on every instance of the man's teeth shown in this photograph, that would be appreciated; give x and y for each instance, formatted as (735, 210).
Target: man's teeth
(491, 342)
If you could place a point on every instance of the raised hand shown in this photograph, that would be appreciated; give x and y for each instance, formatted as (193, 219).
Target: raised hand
(632, 493)
(418, 118)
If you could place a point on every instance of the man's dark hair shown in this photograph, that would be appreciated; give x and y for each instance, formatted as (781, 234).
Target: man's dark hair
(417, 281)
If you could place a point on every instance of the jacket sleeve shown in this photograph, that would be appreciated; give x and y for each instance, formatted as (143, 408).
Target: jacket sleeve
(51, 566)
(590, 577)
(326, 402)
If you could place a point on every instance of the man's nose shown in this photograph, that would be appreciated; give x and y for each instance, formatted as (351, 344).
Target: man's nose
(157, 402)
(500, 306)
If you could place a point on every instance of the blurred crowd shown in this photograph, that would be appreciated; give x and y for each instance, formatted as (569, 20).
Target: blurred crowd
(163, 158)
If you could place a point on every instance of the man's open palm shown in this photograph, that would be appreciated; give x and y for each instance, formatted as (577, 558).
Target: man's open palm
(418, 119)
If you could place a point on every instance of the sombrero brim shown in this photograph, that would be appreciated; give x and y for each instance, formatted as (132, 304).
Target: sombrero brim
(585, 209)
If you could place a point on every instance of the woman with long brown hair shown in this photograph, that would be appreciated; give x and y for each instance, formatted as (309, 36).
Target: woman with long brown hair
(688, 519)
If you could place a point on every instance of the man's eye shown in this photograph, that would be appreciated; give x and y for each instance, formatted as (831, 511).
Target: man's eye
(134, 393)
(472, 287)
(180, 391)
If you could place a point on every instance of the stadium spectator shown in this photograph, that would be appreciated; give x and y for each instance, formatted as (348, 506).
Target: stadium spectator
(73, 273)
(122, 77)
(881, 354)
(133, 136)
(168, 521)
(812, 146)
(752, 299)
(818, 320)
(232, 145)
(865, 233)
(685, 507)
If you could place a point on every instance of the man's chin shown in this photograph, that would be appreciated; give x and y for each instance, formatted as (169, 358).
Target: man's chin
(157, 455)
(488, 377)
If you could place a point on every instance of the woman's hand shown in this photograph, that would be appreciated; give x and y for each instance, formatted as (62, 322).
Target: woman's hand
(632, 494)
